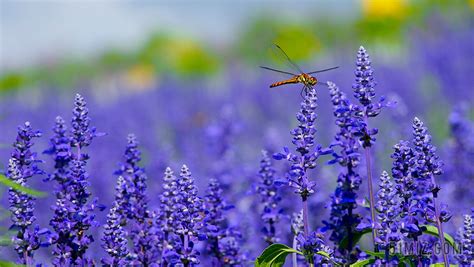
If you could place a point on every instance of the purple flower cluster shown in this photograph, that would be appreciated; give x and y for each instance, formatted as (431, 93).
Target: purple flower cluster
(185, 227)
(343, 218)
(269, 198)
(21, 167)
(132, 205)
(466, 240)
(308, 152)
(387, 208)
(73, 212)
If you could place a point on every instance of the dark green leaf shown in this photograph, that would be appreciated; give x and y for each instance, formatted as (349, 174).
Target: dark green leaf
(356, 236)
(274, 256)
(432, 230)
(9, 183)
(362, 263)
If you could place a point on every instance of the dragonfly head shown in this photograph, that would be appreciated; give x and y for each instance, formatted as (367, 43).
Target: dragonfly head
(311, 80)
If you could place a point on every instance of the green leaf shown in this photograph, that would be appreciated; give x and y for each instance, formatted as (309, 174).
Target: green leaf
(9, 183)
(356, 236)
(432, 230)
(274, 256)
(10, 264)
(441, 264)
(5, 241)
(362, 263)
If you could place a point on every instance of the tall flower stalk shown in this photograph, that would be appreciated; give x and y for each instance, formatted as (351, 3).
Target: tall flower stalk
(270, 199)
(428, 166)
(73, 211)
(134, 204)
(307, 153)
(364, 91)
(387, 207)
(23, 165)
(222, 242)
(343, 219)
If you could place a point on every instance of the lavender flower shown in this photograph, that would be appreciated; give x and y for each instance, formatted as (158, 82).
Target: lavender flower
(73, 212)
(168, 205)
(365, 93)
(27, 161)
(270, 198)
(312, 244)
(82, 133)
(222, 241)
(303, 139)
(114, 240)
(403, 168)
(22, 166)
(343, 220)
(181, 247)
(229, 248)
(466, 257)
(61, 150)
(133, 204)
(22, 207)
(387, 207)
(427, 167)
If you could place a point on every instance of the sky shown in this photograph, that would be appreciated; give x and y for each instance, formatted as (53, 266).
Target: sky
(32, 32)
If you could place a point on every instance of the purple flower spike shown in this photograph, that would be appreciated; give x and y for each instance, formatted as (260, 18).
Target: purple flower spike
(343, 218)
(26, 160)
(270, 198)
(181, 245)
(303, 139)
(466, 257)
(364, 84)
(133, 205)
(82, 133)
(387, 207)
(222, 242)
(73, 209)
(21, 167)
(114, 240)
(21, 208)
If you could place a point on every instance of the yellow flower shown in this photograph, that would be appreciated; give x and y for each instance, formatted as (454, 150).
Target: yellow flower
(384, 8)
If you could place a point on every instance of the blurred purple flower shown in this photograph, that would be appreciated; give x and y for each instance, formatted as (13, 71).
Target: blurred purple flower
(269, 198)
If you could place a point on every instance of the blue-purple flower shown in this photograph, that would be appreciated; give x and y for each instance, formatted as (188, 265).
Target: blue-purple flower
(343, 218)
(114, 240)
(388, 210)
(303, 139)
(269, 197)
(133, 205)
(466, 241)
(23, 165)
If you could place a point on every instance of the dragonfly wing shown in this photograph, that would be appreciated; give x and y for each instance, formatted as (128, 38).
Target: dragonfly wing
(323, 70)
(288, 59)
(280, 71)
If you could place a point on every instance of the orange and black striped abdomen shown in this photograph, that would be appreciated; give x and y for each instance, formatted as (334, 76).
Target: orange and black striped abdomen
(292, 80)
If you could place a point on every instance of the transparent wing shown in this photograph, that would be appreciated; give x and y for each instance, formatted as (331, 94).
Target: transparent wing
(323, 70)
(281, 58)
(280, 71)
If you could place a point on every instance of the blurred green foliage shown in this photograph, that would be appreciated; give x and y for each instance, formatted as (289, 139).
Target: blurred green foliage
(377, 23)
(11, 184)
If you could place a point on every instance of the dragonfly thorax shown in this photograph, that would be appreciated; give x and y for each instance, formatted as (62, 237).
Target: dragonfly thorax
(307, 79)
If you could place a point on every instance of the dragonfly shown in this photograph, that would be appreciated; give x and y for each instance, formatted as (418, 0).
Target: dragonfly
(305, 78)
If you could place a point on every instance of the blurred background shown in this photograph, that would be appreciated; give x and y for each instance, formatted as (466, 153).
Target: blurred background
(184, 77)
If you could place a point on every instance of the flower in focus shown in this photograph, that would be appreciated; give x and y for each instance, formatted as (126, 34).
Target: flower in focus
(387, 207)
(303, 139)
